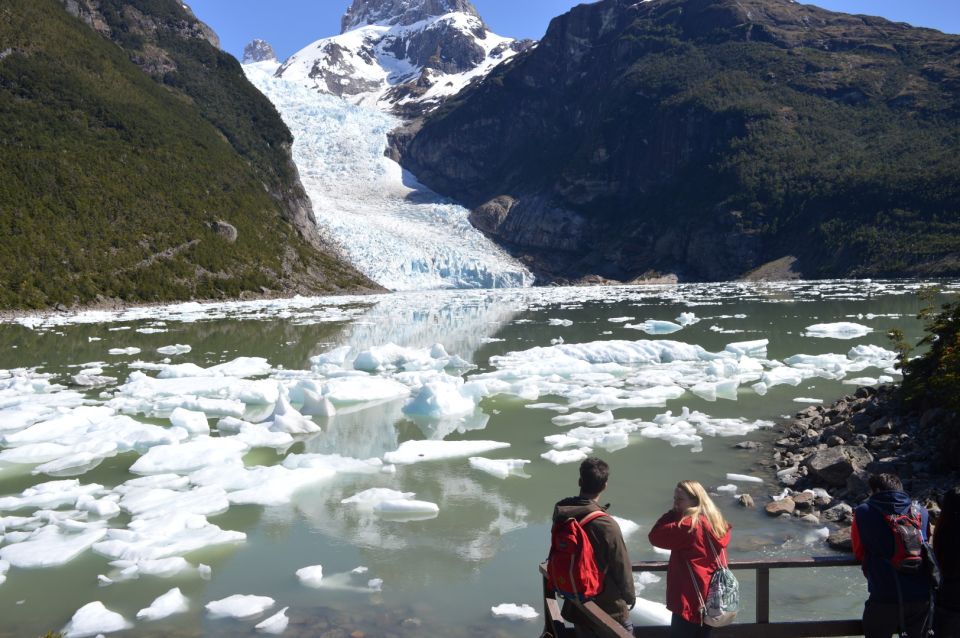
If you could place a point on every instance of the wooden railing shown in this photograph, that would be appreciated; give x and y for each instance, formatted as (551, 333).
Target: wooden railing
(761, 628)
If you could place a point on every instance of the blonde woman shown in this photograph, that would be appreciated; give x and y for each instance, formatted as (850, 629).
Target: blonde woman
(688, 530)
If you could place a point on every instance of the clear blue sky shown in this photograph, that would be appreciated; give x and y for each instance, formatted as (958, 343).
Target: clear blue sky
(289, 25)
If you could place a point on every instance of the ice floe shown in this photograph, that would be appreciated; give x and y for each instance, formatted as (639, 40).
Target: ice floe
(310, 576)
(170, 603)
(500, 468)
(513, 611)
(275, 624)
(239, 606)
(419, 451)
(92, 619)
(838, 330)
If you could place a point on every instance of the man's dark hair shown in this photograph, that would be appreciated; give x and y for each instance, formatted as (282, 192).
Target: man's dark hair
(885, 483)
(594, 473)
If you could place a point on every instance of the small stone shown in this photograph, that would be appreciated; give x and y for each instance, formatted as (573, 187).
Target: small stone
(803, 500)
(883, 425)
(783, 506)
(841, 540)
(834, 441)
(812, 519)
(745, 500)
(358, 634)
(837, 513)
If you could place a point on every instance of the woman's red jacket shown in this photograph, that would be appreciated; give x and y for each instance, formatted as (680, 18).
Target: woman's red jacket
(687, 547)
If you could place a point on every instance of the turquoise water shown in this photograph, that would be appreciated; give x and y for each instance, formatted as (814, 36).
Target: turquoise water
(443, 575)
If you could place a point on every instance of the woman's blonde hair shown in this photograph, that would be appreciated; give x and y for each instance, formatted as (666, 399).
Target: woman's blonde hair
(705, 507)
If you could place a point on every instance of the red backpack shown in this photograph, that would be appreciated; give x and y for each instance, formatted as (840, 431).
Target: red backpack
(572, 570)
(907, 540)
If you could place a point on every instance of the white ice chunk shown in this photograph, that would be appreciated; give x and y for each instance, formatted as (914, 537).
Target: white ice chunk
(311, 576)
(192, 455)
(316, 405)
(587, 418)
(175, 349)
(368, 499)
(559, 457)
(687, 319)
(648, 612)
(439, 399)
(239, 606)
(418, 451)
(839, 330)
(755, 349)
(361, 389)
(275, 624)
(627, 527)
(406, 509)
(4, 568)
(500, 468)
(655, 327)
(559, 322)
(193, 422)
(92, 619)
(124, 351)
(162, 537)
(49, 495)
(744, 478)
(170, 603)
(512, 611)
(287, 419)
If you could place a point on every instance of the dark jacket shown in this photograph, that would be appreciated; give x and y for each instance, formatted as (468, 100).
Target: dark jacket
(873, 545)
(610, 552)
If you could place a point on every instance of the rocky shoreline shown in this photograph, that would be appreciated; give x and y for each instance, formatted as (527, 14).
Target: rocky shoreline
(826, 455)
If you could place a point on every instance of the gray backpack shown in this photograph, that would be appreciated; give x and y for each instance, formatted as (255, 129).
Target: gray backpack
(723, 594)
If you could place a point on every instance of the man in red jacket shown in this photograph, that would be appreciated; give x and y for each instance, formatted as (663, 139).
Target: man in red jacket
(617, 596)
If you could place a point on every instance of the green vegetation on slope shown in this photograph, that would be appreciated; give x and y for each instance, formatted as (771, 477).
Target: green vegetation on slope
(931, 381)
(111, 184)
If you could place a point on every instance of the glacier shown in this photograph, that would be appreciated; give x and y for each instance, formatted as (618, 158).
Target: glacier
(393, 229)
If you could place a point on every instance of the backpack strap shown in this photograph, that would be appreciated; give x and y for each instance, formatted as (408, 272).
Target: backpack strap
(592, 516)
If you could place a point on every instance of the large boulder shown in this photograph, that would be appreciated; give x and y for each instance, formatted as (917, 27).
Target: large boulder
(834, 465)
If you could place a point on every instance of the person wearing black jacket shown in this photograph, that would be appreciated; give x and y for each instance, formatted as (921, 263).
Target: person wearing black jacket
(899, 603)
(946, 546)
(610, 552)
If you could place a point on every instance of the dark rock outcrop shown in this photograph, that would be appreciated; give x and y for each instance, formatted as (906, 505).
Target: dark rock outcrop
(258, 51)
(709, 138)
(403, 12)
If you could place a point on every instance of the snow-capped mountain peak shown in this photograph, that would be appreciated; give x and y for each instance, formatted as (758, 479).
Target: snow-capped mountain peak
(402, 12)
(402, 56)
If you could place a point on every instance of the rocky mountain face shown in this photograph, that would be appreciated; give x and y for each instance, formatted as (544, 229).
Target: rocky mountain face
(258, 51)
(403, 56)
(144, 166)
(713, 139)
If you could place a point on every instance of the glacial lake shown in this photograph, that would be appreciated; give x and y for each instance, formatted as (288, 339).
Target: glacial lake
(536, 371)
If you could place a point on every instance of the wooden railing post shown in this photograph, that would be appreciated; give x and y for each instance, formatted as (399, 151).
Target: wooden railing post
(763, 595)
(762, 628)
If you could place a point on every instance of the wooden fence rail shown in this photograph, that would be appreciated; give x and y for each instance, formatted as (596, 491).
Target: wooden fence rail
(761, 628)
